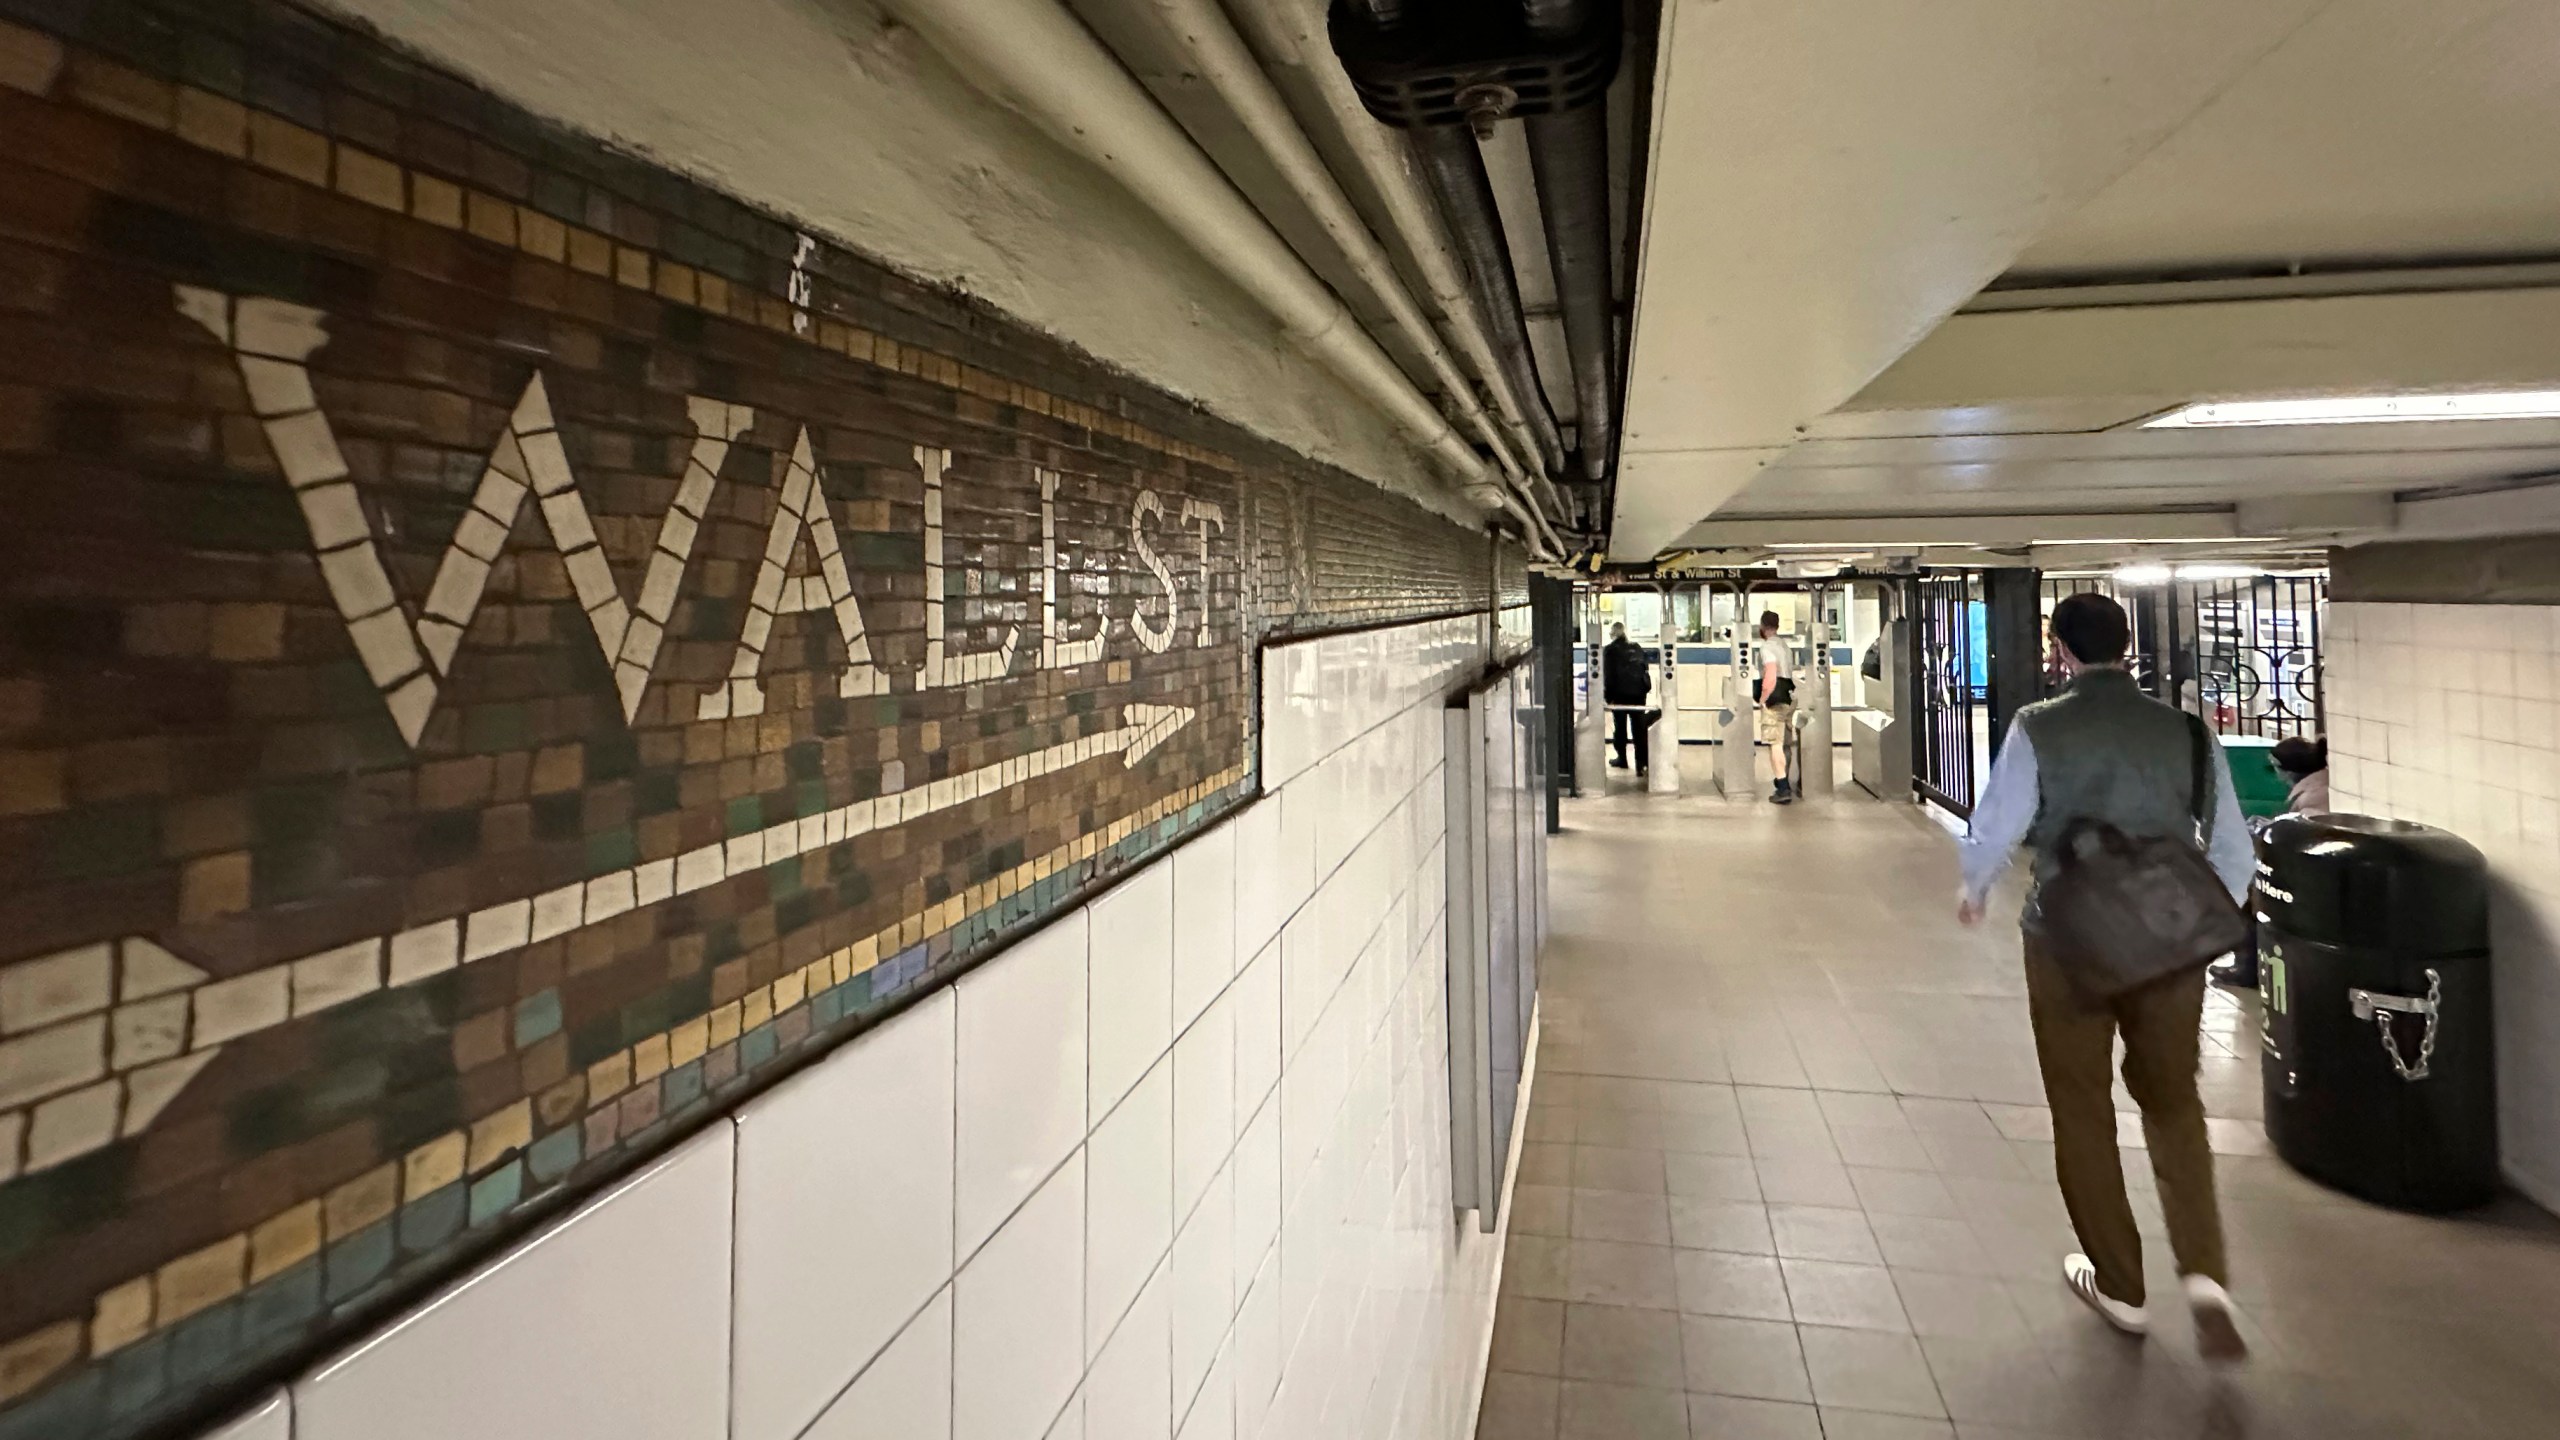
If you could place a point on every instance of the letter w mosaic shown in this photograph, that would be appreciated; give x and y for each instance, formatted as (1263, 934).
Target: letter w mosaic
(408, 659)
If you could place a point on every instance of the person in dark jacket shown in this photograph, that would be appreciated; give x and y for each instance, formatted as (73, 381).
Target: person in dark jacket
(1626, 679)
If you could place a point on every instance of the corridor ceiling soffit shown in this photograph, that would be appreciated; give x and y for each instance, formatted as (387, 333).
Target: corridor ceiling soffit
(2384, 129)
(1832, 180)
(2133, 358)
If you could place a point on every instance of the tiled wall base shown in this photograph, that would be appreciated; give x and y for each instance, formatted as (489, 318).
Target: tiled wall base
(2449, 715)
(1176, 1165)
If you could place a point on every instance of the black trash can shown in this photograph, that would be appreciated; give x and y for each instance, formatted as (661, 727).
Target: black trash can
(2373, 945)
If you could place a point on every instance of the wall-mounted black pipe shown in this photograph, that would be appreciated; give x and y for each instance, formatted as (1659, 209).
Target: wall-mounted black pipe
(1569, 154)
(1454, 169)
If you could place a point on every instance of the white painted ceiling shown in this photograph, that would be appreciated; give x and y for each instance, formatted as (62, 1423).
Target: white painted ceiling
(1831, 182)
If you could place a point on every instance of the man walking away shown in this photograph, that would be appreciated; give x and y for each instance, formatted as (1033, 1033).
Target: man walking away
(2105, 751)
(1626, 679)
(1775, 692)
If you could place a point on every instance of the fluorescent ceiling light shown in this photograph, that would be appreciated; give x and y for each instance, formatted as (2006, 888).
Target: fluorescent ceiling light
(2362, 410)
(2163, 574)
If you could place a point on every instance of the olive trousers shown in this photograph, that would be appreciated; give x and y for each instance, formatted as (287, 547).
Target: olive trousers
(2075, 1046)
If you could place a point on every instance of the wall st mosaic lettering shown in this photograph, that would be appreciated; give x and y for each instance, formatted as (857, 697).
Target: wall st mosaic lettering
(501, 648)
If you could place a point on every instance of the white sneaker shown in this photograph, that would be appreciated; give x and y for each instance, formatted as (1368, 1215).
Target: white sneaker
(2081, 1274)
(2217, 1328)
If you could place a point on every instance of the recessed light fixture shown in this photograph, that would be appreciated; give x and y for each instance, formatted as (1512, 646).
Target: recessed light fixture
(2362, 410)
(2145, 575)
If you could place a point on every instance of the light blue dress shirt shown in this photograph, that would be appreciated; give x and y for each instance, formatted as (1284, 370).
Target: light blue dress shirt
(2006, 810)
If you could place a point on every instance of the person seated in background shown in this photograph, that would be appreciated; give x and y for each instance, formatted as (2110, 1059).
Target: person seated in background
(2304, 764)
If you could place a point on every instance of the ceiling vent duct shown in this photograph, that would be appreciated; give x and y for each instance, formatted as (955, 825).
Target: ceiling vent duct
(1430, 63)
(1442, 68)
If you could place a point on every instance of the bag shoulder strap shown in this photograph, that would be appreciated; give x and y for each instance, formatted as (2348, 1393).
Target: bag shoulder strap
(2200, 778)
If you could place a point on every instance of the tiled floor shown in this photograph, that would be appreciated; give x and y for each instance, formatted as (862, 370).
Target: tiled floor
(1788, 1176)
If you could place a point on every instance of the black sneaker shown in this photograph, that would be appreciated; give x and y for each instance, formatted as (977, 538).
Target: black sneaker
(1783, 795)
(2239, 974)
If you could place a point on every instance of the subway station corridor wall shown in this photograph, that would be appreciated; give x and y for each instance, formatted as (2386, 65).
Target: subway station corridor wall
(1176, 1165)
(503, 650)
(2449, 715)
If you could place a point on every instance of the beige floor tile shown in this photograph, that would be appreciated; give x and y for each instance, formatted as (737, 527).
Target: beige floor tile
(1528, 1336)
(1920, 1242)
(1823, 1292)
(1748, 1287)
(1730, 1417)
(1712, 1177)
(1541, 1210)
(1840, 1424)
(1623, 1345)
(1755, 1359)
(1870, 1370)
(1821, 1232)
(1805, 1180)
(1737, 1225)
(1609, 1272)
(1517, 1407)
(1966, 1306)
(1618, 1215)
(1904, 1192)
(1595, 1411)
(1604, 1167)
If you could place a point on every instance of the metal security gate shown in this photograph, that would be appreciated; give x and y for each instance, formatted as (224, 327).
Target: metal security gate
(1951, 679)
(2253, 647)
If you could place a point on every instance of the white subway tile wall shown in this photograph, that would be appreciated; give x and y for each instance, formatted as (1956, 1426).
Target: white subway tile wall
(2449, 715)
(1174, 1168)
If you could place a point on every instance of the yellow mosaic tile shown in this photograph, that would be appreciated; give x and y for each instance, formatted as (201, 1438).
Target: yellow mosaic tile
(120, 1317)
(29, 1360)
(194, 1282)
(493, 1135)
(284, 1241)
(438, 202)
(648, 1060)
(361, 1201)
(688, 1042)
(609, 1077)
(280, 145)
(434, 1165)
(370, 178)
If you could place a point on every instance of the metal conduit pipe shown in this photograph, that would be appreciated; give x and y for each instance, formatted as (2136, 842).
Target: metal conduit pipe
(1037, 59)
(1213, 49)
(1415, 218)
(1454, 169)
(1569, 155)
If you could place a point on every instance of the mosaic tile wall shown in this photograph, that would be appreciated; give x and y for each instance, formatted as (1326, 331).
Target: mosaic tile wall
(501, 648)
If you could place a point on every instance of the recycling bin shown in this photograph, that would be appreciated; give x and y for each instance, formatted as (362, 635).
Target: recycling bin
(2373, 967)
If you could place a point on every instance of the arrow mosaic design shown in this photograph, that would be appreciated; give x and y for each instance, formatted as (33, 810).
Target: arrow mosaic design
(102, 1037)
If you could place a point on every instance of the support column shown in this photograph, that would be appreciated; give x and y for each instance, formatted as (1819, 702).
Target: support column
(1666, 730)
(2015, 627)
(1551, 635)
(1737, 766)
(1813, 748)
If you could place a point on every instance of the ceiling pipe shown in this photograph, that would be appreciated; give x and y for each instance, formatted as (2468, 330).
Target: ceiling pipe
(1453, 168)
(1038, 60)
(1212, 48)
(1569, 154)
(1417, 219)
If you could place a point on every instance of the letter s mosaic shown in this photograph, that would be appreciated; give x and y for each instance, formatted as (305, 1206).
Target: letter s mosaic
(501, 648)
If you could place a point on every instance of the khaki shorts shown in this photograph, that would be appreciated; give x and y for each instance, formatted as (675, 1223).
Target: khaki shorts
(1773, 723)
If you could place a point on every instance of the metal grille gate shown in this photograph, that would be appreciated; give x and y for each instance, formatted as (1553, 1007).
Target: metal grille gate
(2243, 653)
(1949, 678)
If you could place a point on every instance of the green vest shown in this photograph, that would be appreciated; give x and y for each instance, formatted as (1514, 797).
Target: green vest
(2106, 751)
